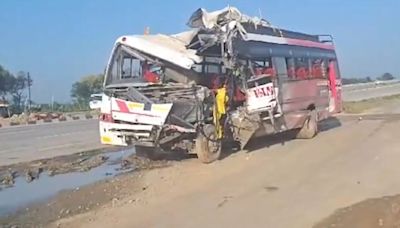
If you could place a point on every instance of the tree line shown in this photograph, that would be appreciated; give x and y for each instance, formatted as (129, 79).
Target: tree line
(383, 77)
(86, 86)
(13, 86)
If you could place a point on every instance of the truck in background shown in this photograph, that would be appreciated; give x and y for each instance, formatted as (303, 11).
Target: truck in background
(4, 109)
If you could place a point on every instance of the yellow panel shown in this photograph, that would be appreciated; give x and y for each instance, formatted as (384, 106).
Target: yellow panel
(159, 108)
(106, 139)
(132, 105)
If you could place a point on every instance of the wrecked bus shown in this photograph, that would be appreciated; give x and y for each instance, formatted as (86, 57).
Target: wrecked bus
(231, 77)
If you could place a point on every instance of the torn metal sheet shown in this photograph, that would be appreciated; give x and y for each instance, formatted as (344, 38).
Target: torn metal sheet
(167, 48)
(208, 20)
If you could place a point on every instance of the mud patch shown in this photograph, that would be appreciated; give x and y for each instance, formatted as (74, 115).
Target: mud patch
(71, 185)
(371, 213)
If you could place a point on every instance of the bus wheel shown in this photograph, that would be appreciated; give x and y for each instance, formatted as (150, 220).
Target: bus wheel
(207, 147)
(310, 127)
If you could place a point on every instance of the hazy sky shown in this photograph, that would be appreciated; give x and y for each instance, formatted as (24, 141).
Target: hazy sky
(60, 41)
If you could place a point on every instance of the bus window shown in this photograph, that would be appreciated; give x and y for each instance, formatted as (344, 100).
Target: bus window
(291, 70)
(280, 67)
(317, 68)
(302, 68)
(197, 68)
(263, 67)
(131, 68)
(212, 69)
(336, 66)
(325, 68)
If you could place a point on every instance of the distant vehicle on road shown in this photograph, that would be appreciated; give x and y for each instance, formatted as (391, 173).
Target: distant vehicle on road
(4, 110)
(95, 101)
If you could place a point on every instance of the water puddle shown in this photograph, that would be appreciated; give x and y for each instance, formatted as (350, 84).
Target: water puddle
(23, 193)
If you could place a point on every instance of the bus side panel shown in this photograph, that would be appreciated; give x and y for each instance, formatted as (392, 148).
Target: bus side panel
(304, 94)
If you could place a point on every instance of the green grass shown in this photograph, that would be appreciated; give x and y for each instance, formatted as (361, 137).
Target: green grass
(357, 107)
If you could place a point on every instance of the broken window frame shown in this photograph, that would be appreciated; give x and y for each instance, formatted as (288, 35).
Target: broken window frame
(117, 58)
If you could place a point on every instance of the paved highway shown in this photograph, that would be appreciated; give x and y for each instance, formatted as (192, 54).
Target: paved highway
(26, 143)
(362, 92)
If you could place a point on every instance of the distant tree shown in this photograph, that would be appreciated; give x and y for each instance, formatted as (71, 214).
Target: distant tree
(19, 84)
(82, 89)
(7, 81)
(346, 81)
(386, 77)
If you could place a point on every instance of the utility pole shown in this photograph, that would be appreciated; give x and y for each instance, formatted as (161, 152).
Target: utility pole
(52, 103)
(29, 93)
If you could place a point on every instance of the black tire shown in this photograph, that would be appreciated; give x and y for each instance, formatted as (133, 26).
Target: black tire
(310, 127)
(207, 147)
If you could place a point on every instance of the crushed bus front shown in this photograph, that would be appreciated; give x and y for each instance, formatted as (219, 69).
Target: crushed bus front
(223, 82)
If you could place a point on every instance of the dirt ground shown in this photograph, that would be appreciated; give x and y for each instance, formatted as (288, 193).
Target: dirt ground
(280, 183)
(345, 177)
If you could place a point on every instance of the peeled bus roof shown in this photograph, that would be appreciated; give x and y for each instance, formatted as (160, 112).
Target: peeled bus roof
(166, 47)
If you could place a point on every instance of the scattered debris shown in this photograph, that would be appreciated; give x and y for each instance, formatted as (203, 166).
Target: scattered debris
(93, 162)
(18, 119)
(33, 117)
(226, 199)
(271, 188)
(114, 201)
(31, 121)
(126, 164)
(48, 120)
(33, 174)
(380, 222)
(88, 116)
(8, 178)
(54, 115)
